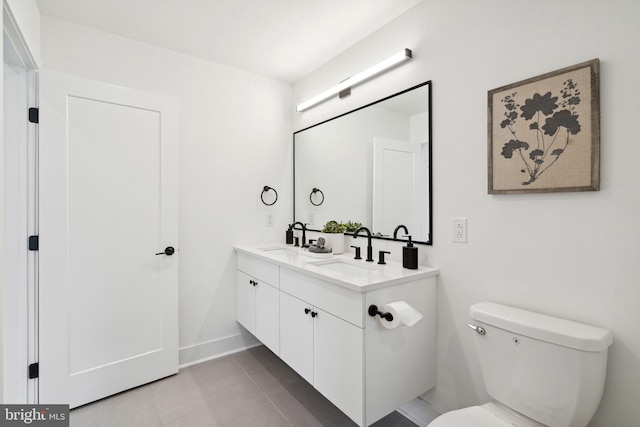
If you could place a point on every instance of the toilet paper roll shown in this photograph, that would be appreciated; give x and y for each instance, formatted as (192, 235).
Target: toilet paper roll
(402, 312)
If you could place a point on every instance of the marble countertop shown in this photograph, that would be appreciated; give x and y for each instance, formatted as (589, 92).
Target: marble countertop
(342, 270)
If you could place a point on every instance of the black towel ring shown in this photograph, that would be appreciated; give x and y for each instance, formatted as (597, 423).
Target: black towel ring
(264, 190)
(314, 191)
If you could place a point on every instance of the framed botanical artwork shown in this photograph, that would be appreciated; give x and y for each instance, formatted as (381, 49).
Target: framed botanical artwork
(544, 132)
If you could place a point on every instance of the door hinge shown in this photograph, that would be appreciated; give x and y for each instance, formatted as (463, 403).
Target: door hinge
(34, 243)
(34, 115)
(34, 370)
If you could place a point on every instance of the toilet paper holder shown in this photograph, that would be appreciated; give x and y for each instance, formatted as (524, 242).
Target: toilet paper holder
(373, 312)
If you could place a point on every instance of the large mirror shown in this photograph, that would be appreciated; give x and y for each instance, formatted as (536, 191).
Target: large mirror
(371, 165)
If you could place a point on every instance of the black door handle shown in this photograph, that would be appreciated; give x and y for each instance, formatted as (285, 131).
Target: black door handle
(169, 250)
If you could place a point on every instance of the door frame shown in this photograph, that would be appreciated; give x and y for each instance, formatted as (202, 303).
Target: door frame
(20, 297)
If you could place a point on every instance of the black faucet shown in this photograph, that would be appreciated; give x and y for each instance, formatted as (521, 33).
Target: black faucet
(304, 232)
(369, 247)
(395, 232)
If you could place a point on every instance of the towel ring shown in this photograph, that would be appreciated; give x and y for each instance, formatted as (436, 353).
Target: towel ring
(314, 191)
(264, 190)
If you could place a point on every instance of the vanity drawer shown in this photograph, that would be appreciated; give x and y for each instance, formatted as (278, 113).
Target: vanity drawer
(341, 302)
(262, 270)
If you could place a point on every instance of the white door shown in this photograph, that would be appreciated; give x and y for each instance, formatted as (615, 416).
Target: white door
(397, 182)
(108, 204)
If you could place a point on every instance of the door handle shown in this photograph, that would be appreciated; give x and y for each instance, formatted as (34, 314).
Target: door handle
(169, 250)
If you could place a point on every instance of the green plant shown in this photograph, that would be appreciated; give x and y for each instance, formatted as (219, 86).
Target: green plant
(340, 227)
(333, 227)
(352, 227)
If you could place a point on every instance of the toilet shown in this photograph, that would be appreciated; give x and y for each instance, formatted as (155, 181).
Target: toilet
(540, 371)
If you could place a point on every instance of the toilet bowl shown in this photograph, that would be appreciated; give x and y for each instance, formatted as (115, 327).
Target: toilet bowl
(540, 371)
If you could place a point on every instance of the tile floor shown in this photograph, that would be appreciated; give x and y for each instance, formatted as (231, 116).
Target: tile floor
(246, 389)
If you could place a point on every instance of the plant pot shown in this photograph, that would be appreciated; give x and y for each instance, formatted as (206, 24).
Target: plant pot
(335, 241)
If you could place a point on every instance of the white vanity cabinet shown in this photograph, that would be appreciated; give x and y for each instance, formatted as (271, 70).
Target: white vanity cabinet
(258, 299)
(322, 329)
(323, 348)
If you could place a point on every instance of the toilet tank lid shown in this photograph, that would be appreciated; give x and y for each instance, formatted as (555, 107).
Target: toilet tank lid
(551, 329)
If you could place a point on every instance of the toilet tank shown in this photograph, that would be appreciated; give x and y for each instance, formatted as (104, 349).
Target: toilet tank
(550, 369)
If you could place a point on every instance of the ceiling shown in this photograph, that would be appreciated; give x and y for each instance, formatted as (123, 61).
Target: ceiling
(283, 39)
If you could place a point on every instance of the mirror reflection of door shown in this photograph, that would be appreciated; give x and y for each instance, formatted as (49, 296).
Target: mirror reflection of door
(397, 185)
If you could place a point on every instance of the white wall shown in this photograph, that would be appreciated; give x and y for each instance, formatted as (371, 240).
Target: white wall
(235, 138)
(26, 16)
(566, 254)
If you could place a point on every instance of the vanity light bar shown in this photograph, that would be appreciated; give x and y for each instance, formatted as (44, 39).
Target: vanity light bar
(399, 57)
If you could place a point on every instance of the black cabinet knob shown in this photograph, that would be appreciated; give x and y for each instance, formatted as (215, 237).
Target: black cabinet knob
(307, 310)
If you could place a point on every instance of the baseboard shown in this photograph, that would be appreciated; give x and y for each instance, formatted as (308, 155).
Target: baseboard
(202, 352)
(419, 412)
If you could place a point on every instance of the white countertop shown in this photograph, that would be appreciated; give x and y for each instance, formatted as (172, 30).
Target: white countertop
(362, 277)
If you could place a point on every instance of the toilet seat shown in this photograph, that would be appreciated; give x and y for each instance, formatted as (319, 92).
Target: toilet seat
(475, 416)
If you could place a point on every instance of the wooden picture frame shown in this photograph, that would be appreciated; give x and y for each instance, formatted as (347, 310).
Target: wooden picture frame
(544, 132)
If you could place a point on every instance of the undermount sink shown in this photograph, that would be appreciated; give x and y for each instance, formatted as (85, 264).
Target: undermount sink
(344, 266)
(279, 250)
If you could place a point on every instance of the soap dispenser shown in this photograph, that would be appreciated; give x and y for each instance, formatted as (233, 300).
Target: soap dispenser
(289, 235)
(410, 256)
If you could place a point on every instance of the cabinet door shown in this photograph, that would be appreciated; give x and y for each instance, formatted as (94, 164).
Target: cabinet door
(338, 363)
(296, 335)
(267, 316)
(246, 302)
